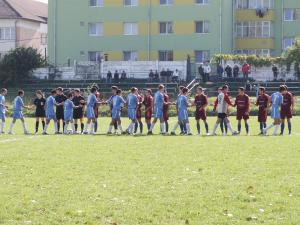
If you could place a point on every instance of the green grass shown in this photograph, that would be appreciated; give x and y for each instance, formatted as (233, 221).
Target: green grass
(150, 180)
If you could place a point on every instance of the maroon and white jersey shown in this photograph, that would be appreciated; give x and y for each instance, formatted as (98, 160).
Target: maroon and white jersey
(223, 102)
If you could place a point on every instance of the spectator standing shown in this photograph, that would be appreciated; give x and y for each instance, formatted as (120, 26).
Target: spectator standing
(201, 72)
(156, 76)
(207, 71)
(123, 76)
(246, 71)
(151, 76)
(228, 71)
(116, 76)
(108, 77)
(220, 71)
(236, 70)
(163, 75)
(169, 75)
(175, 76)
(275, 72)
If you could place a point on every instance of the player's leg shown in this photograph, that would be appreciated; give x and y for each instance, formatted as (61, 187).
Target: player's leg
(87, 125)
(37, 123)
(141, 125)
(206, 126)
(73, 126)
(265, 130)
(289, 122)
(76, 124)
(247, 126)
(167, 126)
(66, 122)
(43, 122)
(11, 127)
(131, 126)
(188, 127)
(46, 126)
(282, 125)
(198, 126)
(227, 121)
(162, 126)
(2, 124)
(277, 125)
(219, 120)
(58, 124)
(119, 122)
(24, 125)
(95, 125)
(173, 132)
(239, 126)
(153, 123)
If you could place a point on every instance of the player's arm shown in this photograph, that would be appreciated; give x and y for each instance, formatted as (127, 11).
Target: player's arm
(292, 103)
(227, 100)
(215, 104)
(248, 105)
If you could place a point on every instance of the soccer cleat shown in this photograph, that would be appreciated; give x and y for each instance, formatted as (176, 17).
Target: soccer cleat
(189, 134)
(150, 133)
(234, 133)
(85, 133)
(109, 133)
(207, 134)
(264, 131)
(44, 133)
(214, 134)
(173, 134)
(26, 133)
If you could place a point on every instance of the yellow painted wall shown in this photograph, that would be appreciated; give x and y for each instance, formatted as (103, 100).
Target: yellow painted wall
(250, 15)
(255, 43)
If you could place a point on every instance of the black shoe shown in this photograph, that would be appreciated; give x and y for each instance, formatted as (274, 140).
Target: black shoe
(173, 134)
(150, 133)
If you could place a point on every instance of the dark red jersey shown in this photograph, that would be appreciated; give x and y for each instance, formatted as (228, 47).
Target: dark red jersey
(140, 101)
(148, 102)
(242, 102)
(288, 100)
(263, 101)
(201, 101)
(166, 99)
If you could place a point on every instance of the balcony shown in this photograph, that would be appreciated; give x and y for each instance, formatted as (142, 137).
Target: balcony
(250, 15)
(254, 43)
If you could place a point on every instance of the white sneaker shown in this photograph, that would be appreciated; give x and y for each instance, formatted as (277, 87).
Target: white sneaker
(207, 134)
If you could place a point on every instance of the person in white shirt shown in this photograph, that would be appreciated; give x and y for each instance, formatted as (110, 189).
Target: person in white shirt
(207, 71)
(175, 76)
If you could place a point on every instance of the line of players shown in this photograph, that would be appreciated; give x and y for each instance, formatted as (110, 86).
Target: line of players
(70, 109)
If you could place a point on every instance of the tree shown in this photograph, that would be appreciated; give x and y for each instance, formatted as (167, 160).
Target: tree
(293, 56)
(18, 63)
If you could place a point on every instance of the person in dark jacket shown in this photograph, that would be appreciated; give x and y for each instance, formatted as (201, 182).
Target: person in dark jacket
(236, 70)
(220, 71)
(201, 72)
(275, 72)
(116, 76)
(228, 71)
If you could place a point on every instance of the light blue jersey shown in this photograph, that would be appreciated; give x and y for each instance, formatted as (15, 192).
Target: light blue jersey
(132, 103)
(158, 105)
(91, 102)
(182, 104)
(50, 108)
(18, 105)
(68, 110)
(277, 100)
(2, 107)
(117, 104)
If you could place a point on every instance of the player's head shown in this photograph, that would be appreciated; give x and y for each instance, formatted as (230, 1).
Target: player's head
(77, 92)
(96, 86)
(54, 92)
(3, 91)
(114, 90)
(219, 90)
(241, 90)
(60, 90)
(286, 88)
(185, 91)
(70, 95)
(262, 90)
(282, 89)
(225, 88)
(180, 89)
(199, 90)
(119, 92)
(133, 90)
(161, 88)
(93, 90)
(21, 93)
(39, 94)
(148, 92)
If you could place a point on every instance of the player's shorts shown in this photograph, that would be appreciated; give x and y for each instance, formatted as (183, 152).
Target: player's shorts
(166, 115)
(275, 113)
(60, 114)
(158, 113)
(139, 113)
(200, 114)
(17, 114)
(183, 115)
(148, 114)
(241, 114)
(90, 113)
(40, 113)
(116, 114)
(132, 114)
(68, 115)
(222, 115)
(286, 113)
(2, 116)
(78, 114)
(262, 116)
(50, 116)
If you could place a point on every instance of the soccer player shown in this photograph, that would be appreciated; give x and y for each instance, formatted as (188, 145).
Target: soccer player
(159, 103)
(40, 112)
(3, 109)
(242, 104)
(69, 107)
(117, 104)
(287, 109)
(166, 110)
(223, 125)
(114, 90)
(90, 113)
(183, 118)
(132, 103)
(263, 102)
(276, 101)
(223, 102)
(78, 113)
(18, 106)
(139, 122)
(60, 98)
(182, 126)
(96, 108)
(201, 103)
(148, 102)
(50, 111)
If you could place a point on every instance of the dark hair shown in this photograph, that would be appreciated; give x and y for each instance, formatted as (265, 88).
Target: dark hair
(262, 89)
(200, 88)
(241, 89)
(282, 88)
(70, 95)
(114, 88)
(133, 89)
(185, 90)
(93, 90)
(3, 90)
(286, 87)
(77, 90)
(20, 92)
(225, 87)
(149, 90)
(119, 91)
(96, 86)
(53, 92)
(39, 92)
(60, 89)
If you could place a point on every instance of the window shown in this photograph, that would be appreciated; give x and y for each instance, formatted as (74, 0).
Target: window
(202, 2)
(259, 52)
(96, 3)
(202, 27)
(95, 29)
(201, 56)
(165, 55)
(254, 4)
(288, 42)
(130, 55)
(44, 38)
(130, 29)
(251, 29)
(166, 27)
(166, 2)
(95, 56)
(290, 14)
(7, 33)
(131, 2)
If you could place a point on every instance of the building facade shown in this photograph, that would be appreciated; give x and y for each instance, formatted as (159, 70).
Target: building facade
(167, 30)
(23, 24)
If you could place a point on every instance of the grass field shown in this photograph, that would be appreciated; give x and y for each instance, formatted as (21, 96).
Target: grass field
(150, 180)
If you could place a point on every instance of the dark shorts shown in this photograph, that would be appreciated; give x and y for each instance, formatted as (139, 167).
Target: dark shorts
(262, 116)
(78, 114)
(138, 113)
(222, 115)
(148, 114)
(286, 113)
(241, 114)
(59, 114)
(40, 113)
(200, 114)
